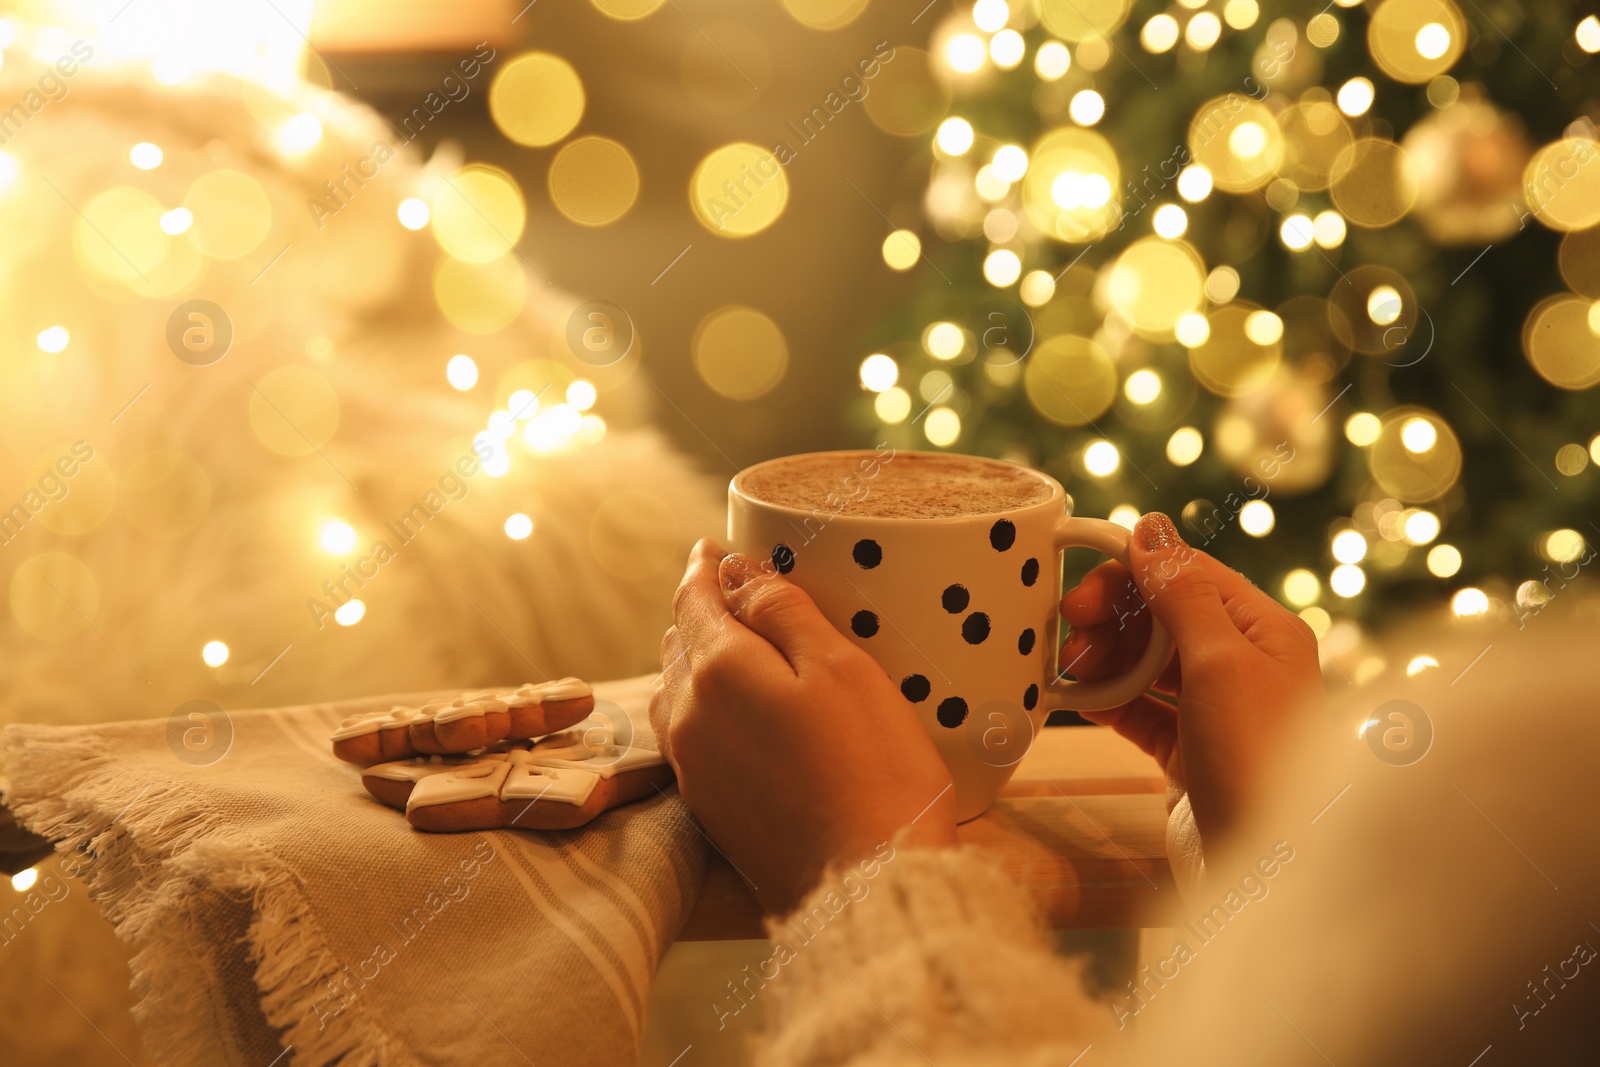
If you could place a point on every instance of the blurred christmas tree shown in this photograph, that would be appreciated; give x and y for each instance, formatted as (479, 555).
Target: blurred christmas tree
(1319, 280)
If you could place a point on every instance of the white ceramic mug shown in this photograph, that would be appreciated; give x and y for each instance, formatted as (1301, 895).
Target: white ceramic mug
(961, 612)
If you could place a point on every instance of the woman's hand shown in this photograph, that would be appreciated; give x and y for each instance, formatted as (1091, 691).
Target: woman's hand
(1245, 672)
(792, 747)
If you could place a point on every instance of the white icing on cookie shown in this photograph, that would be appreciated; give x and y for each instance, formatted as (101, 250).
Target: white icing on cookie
(395, 718)
(530, 781)
(464, 706)
(476, 781)
(593, 744)
(529, 694)
(415, 770)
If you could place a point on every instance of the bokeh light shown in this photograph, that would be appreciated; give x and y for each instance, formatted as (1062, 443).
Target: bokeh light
(1087, 107)
(1419, 664)
(825, 14)
(1052, 60)
(1159, 34)
(627, 10)
(1349, 546)
(1256, 518)
(1170, 221)
(1444, 561)
(965, 52)
(1194, 183)
(1001, 268)
(738, 190)
(478, 214)
(1421, 527)
(1184, 446)
(954, 137)
(1417, 457)
(1362, 427)
(581, 394)
(145, 155)
(944, 340)
(740, 353)
(879, 372)
(1560, 341)
(1070, 380)
(990, 15)
(461, 372)
(1007, 48)
(1414, 41)
(1587, 34)
(1101, 458)
(593, 181)
(337, 537)
(53, 339)
(942, 427)
(1355, 96)
(1347, 580)
(1470, 601)
(1124, 515)
(299, 134)
(536, 99)
(1301, 587)
(1238, 140)
(892, 405)
(1154, 283)
(1377, 182)
(902, 249)
(1079, 20)
(1142, 387)
(1038, 286)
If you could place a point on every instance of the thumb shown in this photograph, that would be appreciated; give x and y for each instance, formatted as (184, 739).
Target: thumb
(1179, 585)
(775, 608)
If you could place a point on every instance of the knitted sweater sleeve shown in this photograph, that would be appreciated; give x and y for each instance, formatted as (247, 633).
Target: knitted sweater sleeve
(919, 956)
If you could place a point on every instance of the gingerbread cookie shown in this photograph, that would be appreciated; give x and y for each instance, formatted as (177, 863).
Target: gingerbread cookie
(559, 782)
(466, 724)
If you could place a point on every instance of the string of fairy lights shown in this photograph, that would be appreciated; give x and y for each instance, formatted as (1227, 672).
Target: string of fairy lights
(1028, 211)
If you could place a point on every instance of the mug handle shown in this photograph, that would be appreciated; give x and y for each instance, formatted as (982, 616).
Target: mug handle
(1106, 693)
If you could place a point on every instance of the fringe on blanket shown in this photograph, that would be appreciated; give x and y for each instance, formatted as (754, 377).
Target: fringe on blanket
(142, 863)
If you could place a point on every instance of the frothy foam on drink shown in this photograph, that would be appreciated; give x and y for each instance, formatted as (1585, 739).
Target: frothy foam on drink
(904, 485)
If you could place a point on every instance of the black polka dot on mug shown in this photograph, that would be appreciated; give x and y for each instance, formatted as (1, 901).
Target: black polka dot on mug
(783, 558)
(1030, 699)
(864, 623)
(1003, 534)
(1030, 571)
(1025, 642)
(952, 712)
(975, 628)
(915, 688)
(867, 553)
(955, 599)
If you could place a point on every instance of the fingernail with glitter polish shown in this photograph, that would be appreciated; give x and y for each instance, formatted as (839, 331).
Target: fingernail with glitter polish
(1156, 532)
(736, 571)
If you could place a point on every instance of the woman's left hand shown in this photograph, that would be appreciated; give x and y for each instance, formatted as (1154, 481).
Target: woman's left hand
(791, 745)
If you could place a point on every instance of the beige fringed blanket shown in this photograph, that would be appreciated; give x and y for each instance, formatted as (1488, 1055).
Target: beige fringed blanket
(273, 905)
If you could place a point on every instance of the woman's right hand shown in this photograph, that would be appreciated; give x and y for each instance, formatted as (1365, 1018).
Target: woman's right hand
(1245, 673)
